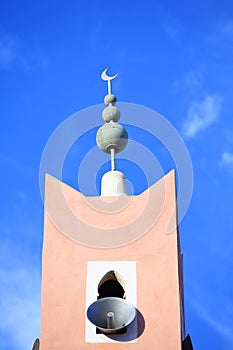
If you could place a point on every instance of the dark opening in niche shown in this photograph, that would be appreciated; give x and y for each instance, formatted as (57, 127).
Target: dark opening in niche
(111, 285)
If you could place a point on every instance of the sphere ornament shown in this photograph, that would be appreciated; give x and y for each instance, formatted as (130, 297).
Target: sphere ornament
(110, 99)
(111, 113)
(111, 136)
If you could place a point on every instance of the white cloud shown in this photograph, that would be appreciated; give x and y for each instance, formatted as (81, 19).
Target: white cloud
(193, 80)
(227, 161)
(13, 52)
(19, 295)
(227, 158)
(191, 83)
(171, 31)
(10, 51)
(228, 134)
(172, 28)
(217, 318)
(19, 302)
(201, 114)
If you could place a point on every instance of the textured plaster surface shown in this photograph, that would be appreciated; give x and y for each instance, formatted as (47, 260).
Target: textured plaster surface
(64, 270)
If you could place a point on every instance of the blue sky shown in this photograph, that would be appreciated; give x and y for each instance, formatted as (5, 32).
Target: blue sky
(173, 57)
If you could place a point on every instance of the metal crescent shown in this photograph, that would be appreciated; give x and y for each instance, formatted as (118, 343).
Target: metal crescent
(105, 77)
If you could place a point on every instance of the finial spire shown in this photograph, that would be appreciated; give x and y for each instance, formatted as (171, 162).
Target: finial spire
(111, 138)
(107, 78)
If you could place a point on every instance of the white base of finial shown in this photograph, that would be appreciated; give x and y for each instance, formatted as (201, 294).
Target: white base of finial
(113, 184)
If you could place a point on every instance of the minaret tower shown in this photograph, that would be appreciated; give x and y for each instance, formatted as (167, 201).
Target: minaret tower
(112, 275)
(112, 138)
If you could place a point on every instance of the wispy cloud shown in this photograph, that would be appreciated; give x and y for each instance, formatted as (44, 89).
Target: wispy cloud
(19, 303)
(172, 31)
(14, 52)
(191, 83)
(228, 134)
(227, 160)
(172, 27)
(194, 79)
(9, 51)
(201, 114)
(14, 164)
(220, 319)
(19, 274)
(218, 41)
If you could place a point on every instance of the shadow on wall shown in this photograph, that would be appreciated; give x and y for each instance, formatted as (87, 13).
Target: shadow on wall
(129, 336)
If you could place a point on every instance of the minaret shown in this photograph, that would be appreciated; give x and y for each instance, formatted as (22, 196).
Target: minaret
(112, 275)
(112, 138)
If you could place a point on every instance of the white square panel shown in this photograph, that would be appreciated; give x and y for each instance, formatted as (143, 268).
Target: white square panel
(95, 271)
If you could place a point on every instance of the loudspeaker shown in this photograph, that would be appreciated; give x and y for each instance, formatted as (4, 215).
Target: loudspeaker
(111, 314)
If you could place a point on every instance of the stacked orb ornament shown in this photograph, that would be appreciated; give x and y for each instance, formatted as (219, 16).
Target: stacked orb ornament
(111, 135)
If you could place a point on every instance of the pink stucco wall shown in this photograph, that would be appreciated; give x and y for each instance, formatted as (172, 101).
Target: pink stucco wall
(64, 263)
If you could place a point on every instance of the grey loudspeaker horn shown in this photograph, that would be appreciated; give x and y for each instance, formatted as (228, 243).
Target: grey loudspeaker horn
(111, 314)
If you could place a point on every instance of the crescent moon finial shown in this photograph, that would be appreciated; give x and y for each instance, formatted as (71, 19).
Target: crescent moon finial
(107, 78)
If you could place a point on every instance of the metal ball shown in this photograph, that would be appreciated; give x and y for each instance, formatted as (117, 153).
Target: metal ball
(111, 113)
(110, 98)
(111, 135)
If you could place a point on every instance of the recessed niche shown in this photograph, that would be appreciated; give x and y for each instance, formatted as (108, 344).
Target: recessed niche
(106, 279)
